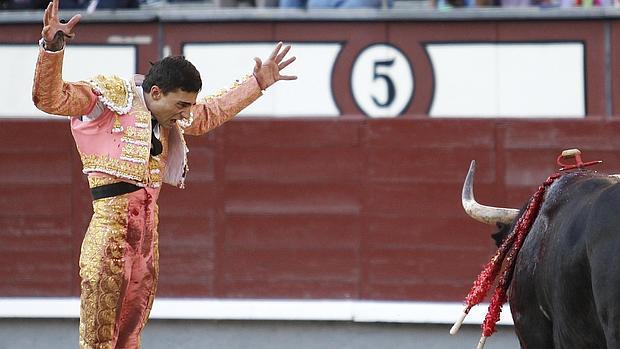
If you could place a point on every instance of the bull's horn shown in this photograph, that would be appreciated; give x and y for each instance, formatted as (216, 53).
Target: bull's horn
(482, 213)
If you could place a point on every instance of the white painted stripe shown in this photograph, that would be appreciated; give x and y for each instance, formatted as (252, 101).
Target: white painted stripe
(19, 63)
(528, 79)
(221, 63)
(258, 309)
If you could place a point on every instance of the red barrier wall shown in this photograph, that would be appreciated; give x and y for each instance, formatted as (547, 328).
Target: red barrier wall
(311, 208)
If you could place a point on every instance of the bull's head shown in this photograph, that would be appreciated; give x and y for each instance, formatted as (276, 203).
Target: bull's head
(502, 217)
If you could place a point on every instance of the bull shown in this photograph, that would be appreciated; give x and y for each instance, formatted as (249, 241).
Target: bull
(565, 286)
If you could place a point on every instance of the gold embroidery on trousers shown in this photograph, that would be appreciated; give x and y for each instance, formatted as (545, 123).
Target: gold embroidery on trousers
(101, 272)
(155, 266)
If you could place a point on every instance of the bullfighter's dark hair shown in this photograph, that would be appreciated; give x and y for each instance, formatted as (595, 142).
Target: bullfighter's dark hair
(173, 73)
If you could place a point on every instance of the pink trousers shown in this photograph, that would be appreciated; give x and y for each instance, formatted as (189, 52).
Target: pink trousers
(119, 270)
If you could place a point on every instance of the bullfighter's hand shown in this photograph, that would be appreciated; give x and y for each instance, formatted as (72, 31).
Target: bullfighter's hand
(53, 28)
(267, 73)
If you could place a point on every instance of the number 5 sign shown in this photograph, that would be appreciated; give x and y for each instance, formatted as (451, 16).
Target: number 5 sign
(382, 81)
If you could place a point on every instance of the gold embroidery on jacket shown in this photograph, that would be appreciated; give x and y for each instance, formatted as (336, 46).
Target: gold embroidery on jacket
(155, 171)
(99, 181)
(116, 167)
(157, 163)
(135, 153)
(137, 141)
(135, 162)
(224, 91)
(137, 136)
(181, 183)
(114, 92)
(101, 271)
(142, 116)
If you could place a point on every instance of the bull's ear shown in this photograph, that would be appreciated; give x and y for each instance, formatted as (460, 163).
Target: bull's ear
(503, 230)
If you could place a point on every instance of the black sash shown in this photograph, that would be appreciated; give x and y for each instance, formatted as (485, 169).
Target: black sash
(114, 189)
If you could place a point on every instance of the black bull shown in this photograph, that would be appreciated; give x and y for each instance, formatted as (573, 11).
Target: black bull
(565, 290)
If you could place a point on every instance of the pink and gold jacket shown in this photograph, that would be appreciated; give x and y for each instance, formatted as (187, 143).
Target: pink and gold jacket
(116, 145)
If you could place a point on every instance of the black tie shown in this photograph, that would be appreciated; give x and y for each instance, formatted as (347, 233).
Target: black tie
(156, 147)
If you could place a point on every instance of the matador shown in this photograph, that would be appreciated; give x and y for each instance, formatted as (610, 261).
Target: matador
(130, 137)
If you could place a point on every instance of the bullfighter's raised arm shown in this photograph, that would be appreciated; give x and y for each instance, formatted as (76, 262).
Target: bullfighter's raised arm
(49, 92)
(215, 110)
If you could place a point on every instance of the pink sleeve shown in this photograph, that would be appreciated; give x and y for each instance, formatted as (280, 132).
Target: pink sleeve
(53, 95)
(219, 109)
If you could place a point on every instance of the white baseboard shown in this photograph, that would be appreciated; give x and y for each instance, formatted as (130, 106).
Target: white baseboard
(263, 309)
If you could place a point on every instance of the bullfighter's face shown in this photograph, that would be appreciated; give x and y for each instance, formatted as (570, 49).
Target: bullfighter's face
(170, 107)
